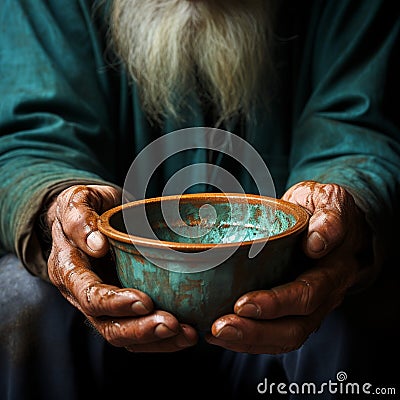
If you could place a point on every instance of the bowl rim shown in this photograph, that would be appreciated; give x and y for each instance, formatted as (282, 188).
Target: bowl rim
(301, 214)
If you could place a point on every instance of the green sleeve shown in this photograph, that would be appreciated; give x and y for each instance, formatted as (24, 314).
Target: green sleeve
(54, 118)
(347, 129)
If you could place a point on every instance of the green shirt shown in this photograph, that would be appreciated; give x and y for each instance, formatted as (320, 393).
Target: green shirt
(67, 114)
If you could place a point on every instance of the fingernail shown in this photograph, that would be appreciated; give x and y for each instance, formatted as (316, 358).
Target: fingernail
(95, 241)
(229, 332)
(163, 331)
(139, 308)
(249, 310)
(316, 243)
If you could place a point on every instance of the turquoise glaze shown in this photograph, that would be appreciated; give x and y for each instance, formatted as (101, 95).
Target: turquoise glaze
(199, 298)
(227, 230)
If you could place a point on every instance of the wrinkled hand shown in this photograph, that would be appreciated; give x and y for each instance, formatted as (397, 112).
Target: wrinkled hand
(281, 319)
(124, 317)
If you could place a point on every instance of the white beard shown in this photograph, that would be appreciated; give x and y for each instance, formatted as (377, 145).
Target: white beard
(169, 47)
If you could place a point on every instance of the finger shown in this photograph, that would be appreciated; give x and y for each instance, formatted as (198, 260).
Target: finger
(300, 297)
(327, 229)
(145, 329)
(329, 206)
(187, 337)
(274, 337)
(69, 270)
(78, 210)
(155, 330)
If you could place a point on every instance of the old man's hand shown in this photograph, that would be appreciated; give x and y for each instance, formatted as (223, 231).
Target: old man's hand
(124, 317)
(337, 246)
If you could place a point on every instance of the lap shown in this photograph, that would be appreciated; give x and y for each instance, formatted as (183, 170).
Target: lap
(48, 351)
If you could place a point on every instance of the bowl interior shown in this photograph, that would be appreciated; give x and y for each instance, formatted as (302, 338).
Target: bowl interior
(206, 219)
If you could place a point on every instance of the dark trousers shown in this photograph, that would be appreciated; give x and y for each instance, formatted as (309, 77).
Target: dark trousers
(49, 352)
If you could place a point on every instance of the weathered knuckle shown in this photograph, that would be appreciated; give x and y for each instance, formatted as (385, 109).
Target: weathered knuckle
(335, 194)
(339, 191)
(89, 302)
(59, 279)
(111, 331)
(65, 196)
(306, 297)
(101, 196)
(89, 309)
(69, 198)
(78, 194)
(275, 300)
(72, 226)
(54, 266)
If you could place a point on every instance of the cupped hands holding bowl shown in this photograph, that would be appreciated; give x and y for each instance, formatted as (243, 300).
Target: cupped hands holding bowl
(272, 320)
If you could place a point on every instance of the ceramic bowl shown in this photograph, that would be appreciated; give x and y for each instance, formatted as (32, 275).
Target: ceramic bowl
(196, 254)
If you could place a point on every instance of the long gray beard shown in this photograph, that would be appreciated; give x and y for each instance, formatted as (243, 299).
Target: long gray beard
(169, 47)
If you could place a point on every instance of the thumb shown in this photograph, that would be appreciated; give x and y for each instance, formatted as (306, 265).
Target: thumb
(330, 206)
(326, 231)
(78, 209)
